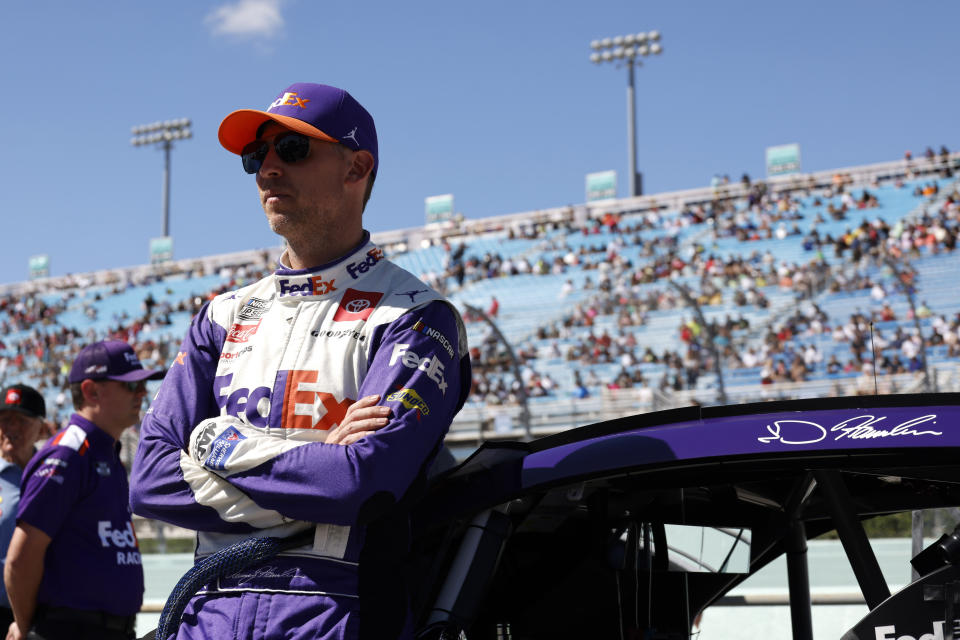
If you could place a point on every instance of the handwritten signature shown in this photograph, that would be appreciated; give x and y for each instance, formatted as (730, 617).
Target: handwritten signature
(858, 428)
(264, 572)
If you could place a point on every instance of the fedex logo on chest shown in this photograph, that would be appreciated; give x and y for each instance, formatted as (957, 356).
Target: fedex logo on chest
(297, 400)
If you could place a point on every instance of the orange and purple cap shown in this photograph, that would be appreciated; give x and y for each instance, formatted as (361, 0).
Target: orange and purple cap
(316, 110)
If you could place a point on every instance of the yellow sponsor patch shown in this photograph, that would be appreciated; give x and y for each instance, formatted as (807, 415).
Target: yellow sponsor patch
(410, 399)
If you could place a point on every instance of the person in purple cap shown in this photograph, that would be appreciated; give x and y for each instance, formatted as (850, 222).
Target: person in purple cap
(22, 413)
(313, 401)
(73, 569)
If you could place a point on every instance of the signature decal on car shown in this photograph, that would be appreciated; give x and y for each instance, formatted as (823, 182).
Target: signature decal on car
(865, 427)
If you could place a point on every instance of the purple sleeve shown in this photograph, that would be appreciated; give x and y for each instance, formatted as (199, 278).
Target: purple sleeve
(420, 370)
(157, 487)
(50, 488)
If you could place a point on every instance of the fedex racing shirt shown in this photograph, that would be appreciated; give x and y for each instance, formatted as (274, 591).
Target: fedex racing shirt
(75, 490)
(234, 443)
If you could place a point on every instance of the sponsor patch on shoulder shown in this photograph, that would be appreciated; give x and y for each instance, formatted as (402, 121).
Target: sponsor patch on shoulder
(50, 473)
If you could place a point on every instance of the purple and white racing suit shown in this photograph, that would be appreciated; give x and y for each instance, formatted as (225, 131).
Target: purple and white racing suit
(233, 445)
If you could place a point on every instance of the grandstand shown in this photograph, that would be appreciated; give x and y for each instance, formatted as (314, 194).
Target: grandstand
(830, 283)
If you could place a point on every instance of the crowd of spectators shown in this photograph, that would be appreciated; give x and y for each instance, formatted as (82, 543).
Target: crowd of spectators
(37, 346)
(788, 350)
(623, 268)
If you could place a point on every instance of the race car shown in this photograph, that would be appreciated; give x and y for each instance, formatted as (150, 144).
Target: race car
(632, 528)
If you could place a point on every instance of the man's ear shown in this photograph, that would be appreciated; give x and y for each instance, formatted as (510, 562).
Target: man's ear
(91, 394)
(360, 166)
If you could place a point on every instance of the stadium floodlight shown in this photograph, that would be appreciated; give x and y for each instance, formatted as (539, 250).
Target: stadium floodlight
(163, 133)
(628, 48)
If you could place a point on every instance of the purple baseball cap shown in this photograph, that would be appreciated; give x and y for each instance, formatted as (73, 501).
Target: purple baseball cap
(110, 360)
(316, 110)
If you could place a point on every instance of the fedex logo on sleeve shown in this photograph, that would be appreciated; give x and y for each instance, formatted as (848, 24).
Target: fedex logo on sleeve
(429, 365)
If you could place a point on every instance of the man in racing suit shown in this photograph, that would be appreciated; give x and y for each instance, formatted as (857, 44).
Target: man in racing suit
(314, 399)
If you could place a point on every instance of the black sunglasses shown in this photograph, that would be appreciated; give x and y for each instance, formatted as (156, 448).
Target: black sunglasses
(290, 147)
(132, 387)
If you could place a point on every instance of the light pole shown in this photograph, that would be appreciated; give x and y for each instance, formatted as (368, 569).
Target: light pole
(163, 134)
(628, 50)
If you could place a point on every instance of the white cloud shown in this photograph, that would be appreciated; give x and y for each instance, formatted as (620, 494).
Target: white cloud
(247, 18)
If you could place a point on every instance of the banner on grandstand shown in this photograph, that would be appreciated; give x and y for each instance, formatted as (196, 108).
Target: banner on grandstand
(439, 208)
(161, 249)
(783, 159)
(39, 266)
(601, 185)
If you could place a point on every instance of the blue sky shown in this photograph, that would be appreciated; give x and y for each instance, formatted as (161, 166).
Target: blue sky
(495, 102)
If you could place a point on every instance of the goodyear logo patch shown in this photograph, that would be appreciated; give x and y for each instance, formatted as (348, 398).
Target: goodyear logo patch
(410, 399)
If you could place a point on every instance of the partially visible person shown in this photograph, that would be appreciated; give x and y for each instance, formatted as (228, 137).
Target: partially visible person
(73, 569)
(22, 413)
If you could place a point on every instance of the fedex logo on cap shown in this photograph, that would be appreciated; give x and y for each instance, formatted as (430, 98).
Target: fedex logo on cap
(289, 98)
